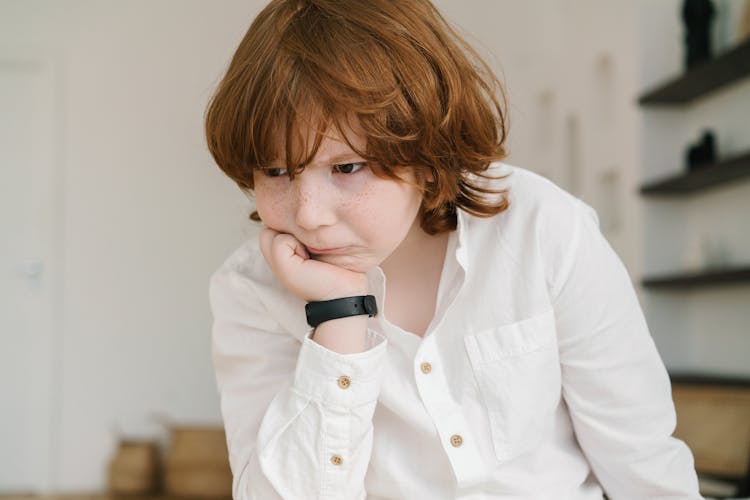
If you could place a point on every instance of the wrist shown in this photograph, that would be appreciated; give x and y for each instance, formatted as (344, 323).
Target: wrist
(342, 335)
(349, 290)
(318, 312)
(339, 294)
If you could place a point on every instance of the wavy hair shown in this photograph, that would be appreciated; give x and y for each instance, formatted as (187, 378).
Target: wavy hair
(422, 96)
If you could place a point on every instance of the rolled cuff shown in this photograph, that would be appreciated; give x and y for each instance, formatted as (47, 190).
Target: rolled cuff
(343, 380)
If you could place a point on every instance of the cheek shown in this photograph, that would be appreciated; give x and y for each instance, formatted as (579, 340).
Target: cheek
(272, 206)
(384, 212)
(403, 203)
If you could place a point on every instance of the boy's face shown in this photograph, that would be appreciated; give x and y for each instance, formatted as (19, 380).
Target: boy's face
(338, 208)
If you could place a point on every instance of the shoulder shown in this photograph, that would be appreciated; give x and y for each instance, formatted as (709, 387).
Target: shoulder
(533, 193)
(243, 264)
(535, 204)
(541, 228)
(244, 286)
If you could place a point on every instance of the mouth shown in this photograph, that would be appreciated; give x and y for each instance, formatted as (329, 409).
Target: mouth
(328, 251)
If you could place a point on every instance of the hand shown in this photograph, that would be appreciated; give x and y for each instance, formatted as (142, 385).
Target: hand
(307, 278)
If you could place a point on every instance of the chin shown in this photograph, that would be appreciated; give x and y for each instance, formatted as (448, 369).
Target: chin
(348, 262)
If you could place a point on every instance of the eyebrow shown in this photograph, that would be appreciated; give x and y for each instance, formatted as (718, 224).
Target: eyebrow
(341, 157)
(333, 159)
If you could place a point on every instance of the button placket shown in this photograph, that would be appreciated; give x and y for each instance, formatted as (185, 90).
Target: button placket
(449, 419)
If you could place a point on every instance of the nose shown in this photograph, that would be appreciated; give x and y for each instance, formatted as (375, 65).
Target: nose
(314, 205)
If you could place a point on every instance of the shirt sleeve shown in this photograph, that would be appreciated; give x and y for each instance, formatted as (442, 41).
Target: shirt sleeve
(298, 417)
(614, 381)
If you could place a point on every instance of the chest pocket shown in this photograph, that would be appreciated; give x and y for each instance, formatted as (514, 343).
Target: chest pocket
(517, 369)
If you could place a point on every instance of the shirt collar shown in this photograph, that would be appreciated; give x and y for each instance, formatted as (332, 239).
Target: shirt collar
(457, 249)
(459, 239)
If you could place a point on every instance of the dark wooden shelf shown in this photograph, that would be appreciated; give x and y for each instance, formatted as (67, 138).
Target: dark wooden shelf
(710, 277)
(722, 70)
(728, 170)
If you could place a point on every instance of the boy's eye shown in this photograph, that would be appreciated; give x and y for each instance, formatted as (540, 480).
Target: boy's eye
(274, 172)
(349, 168)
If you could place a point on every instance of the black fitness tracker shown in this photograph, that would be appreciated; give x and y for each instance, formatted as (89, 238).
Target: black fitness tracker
(318, 312)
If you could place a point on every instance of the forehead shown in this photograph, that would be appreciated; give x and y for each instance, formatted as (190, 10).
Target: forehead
(311, 145)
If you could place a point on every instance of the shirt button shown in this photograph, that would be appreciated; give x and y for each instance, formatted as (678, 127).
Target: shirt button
(426, 368)
(344, 382)
(336, 460)
(456, 440)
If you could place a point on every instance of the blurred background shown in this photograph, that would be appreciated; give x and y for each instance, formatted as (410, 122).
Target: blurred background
(113, 214)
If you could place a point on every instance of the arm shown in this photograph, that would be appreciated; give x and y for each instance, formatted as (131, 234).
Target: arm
(614, 382)
(285, 414)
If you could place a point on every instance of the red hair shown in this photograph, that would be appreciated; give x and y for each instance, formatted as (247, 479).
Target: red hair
(421, 95)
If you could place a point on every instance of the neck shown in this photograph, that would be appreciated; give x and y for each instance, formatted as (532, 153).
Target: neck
(418, 253)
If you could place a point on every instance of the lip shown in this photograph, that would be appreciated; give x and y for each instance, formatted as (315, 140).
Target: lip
(327, 251)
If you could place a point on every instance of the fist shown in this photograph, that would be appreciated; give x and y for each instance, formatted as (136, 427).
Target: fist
(307, 278)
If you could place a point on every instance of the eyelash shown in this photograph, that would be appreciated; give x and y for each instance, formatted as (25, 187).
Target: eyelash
(280, 172)
(361, 164)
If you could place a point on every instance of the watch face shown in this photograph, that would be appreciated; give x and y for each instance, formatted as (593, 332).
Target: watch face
(370, 305)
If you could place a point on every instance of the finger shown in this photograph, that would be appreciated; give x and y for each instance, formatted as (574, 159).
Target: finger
(301, 250)
(285, 250)
(265, 241)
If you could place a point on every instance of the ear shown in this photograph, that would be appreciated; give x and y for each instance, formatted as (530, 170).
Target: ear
(430, 175)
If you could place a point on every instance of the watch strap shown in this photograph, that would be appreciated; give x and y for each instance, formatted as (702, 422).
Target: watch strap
(318, 312)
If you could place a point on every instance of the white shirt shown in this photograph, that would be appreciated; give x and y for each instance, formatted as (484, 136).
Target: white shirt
(537, 377)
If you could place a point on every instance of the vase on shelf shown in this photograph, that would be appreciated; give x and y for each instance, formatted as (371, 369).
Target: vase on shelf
(697, 16)
(703, 153)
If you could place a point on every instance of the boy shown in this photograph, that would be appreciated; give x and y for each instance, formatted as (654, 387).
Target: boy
(417, 319)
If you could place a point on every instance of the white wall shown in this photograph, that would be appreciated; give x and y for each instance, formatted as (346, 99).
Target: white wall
(148, 216)
(570, 70)
(702, 331)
